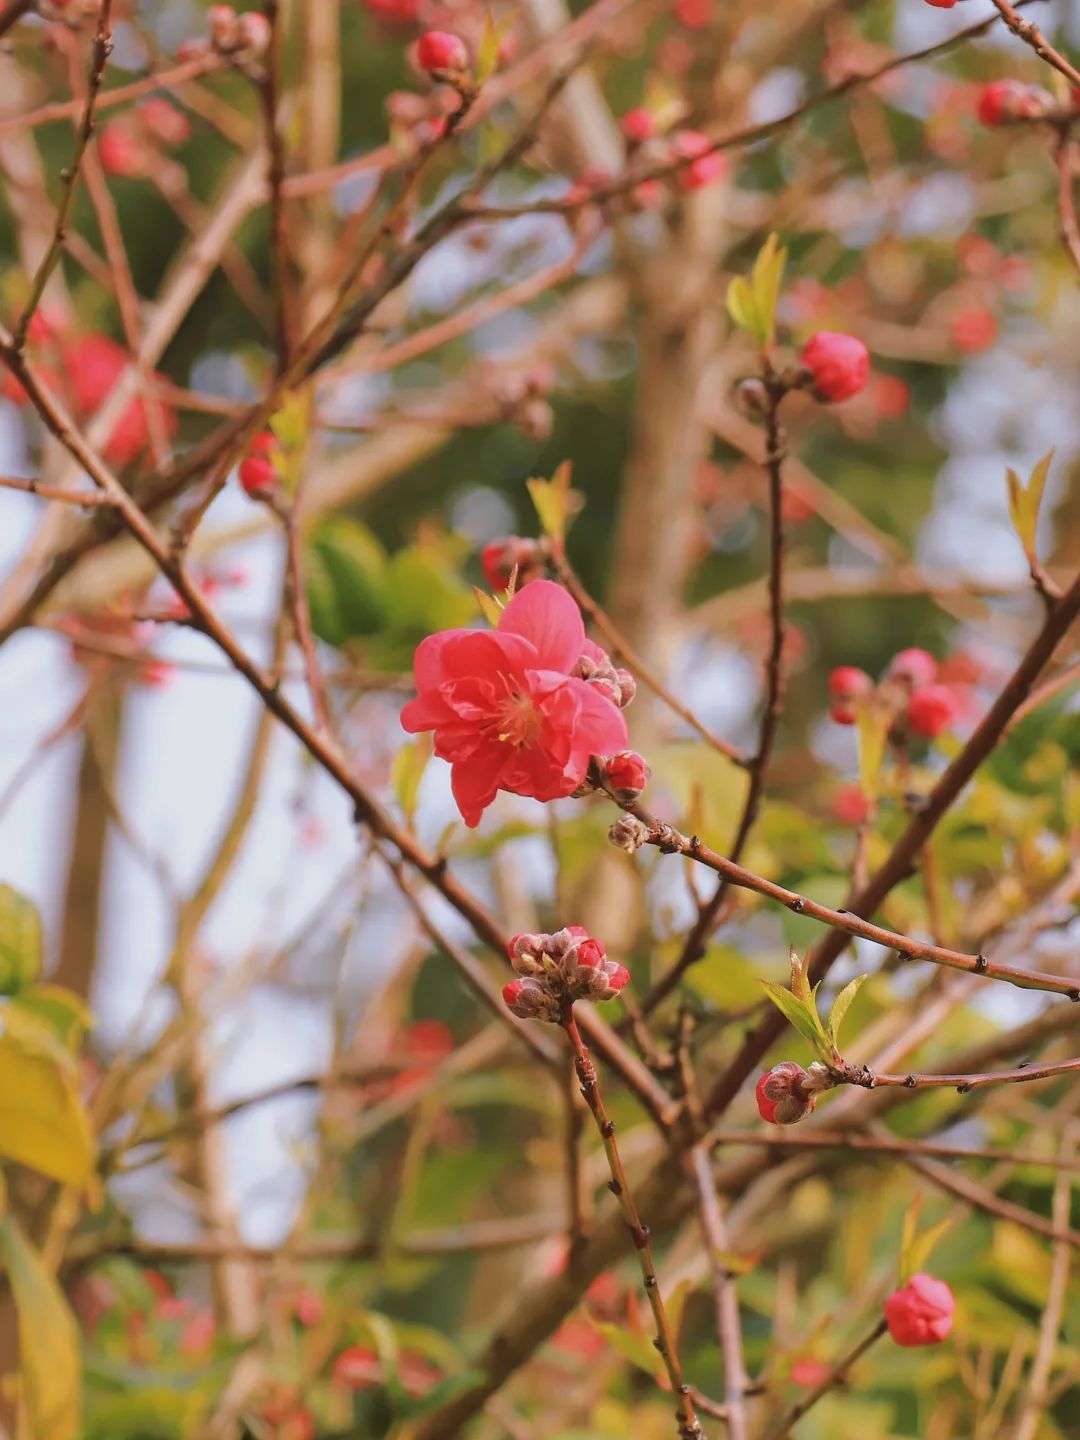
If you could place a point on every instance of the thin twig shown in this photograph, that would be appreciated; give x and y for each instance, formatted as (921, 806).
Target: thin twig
(671, 841)
(1070, 230)
(836, 1376)
(1030, 33)
(698, 937)
(689, 1427)
(102, 48)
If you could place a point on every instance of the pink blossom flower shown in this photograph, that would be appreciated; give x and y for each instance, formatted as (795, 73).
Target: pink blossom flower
(506, 711)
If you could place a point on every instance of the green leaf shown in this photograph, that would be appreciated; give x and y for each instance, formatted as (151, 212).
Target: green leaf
(873, 722)
(42, 1120)
(638, 1349)
(345, 567)
(407, 771)
(487, 52)
(801, 1016)
(50, 1366)
(66, 1014)
(840, 1006)
(20, 941)
(489, 608)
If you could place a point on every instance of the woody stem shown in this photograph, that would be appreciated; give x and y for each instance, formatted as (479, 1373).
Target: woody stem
(689, 1425)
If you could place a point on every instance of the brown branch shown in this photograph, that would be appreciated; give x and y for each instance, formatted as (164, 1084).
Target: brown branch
(903, 855)
(1070, 230)
(14, 10)
(322, 749)
(868, 1079)
(746, 135)
(689, 1427)
(301, 617)
(789, 1138)
(91, 499)
(102, 47)
(1030, 33)
(109, 99)
(835, 1377)
(850, 922)
(280, 250)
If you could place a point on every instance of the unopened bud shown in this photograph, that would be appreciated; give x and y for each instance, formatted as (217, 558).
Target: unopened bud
(785, 1094)
(752, 397)
(530, 999)
(625, 775)
(527, 953)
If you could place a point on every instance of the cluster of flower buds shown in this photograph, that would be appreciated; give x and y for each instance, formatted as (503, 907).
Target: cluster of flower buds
(596, 668)
(555, 970)
(500, 558)
(258, 473)
(243, 37)
(1003, 101)
(921, 1313)
(911, 687)
(787, 1093)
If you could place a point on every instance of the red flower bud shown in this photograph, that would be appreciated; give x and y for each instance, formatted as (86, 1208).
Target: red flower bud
(638, 125)
(500, 558)
(356, 1368)
(921, 1313)
(164, 120)
(781, 1098)
(119, 150)
(941, 4)
(257, 475)
(913, 667)
(974, 330)
(591, 953)
(839, 364)
(438, 50)
(626, 774)
(530, 999)
(848, 682)
(618, 977)
(932, 710)
(707, 168)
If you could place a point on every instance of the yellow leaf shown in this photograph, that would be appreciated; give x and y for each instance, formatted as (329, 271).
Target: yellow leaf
(51, 1369)
(554, 501)
(42, 1120)
(767, 275)
(873, 730)
(407, 771)
(489, 608)
(487, 52)
(740, 305)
